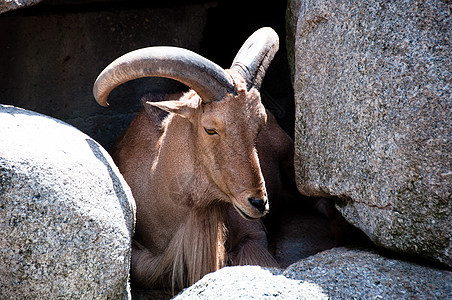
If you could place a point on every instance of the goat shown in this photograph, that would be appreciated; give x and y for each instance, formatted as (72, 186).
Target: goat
(192, 161)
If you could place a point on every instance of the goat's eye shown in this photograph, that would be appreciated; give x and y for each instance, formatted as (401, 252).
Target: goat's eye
(210, 131)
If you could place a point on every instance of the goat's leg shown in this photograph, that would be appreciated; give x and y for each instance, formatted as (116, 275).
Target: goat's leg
(143, 268)
(247, 242)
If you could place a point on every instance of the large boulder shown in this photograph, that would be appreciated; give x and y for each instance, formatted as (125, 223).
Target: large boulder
(373, 116)
(66, 214)
(338, 273)
(343, 273)
(250, 282)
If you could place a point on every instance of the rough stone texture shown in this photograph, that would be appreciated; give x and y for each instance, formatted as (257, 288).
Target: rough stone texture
(373, 106)
(338, 273)
(7, 5)
(66, 213)
(341, 273)
(250, 282)
(292, 11)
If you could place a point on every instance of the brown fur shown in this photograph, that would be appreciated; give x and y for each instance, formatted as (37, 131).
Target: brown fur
(186, 184)
(196, 249)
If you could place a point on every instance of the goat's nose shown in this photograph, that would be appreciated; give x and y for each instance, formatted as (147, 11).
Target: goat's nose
(258, 203)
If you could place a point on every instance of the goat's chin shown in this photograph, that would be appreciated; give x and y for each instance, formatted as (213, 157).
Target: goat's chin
(244, 215)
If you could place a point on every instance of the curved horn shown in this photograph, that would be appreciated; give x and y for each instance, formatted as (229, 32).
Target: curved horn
(255, 56)
(209, 80)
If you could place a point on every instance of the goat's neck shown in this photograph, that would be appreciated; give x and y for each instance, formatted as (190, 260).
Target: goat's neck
(174, 166)
(177, 155)
(197, 243)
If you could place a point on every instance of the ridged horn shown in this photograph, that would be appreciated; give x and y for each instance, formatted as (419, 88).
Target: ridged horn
(209, 80)
(255, 56)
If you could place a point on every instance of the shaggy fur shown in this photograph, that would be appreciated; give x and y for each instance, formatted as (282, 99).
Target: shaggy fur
(196, 249)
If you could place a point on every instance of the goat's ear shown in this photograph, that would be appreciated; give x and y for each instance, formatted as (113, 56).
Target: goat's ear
(182, 108)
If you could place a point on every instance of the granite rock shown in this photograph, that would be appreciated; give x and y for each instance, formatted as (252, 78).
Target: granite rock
(250, 282)
(373, 105)
(7, 5)
(343, 273)
(66, 214)
(338, 273)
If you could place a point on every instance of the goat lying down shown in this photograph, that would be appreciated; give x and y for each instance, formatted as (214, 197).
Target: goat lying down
(196, 162)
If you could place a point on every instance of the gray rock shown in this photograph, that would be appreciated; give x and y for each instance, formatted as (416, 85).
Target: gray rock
(356, 274)
(292, 11)
(66, 214)
(338, 273)
(373, 105)
(7, 5)
(250, 282)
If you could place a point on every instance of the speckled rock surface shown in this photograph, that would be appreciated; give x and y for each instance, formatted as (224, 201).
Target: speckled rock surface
(6, 5)
(66, 213)
(341, 273)
(373, 106)
(337, 273)
(250, 282)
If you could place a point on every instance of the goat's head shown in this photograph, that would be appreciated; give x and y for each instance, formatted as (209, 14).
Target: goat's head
(224, 109)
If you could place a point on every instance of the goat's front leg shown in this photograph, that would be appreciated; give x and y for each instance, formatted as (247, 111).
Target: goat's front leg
(247, 242)
(144, 268)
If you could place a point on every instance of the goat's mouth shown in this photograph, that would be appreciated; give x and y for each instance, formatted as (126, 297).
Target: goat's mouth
(244, 214)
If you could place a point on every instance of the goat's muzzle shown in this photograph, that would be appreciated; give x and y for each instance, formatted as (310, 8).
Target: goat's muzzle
(260, 204)
(256, 208)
